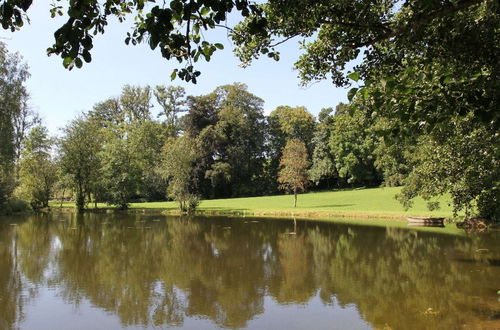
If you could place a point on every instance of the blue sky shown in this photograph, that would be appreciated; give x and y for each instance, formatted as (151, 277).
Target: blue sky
(60, 95)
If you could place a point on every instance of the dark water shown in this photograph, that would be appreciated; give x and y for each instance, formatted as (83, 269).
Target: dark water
(107, 271)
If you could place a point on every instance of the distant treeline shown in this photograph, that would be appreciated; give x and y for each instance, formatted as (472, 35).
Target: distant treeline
(222, 145)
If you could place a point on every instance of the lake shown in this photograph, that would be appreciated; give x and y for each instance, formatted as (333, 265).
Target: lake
(150, 271)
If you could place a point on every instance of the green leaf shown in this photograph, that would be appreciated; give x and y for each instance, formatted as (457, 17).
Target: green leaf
(354, 76)
(67, 61)
(204, 11)
(219, 46)
(366, 93)
(351, 93)
(86, 56)
(78, 62)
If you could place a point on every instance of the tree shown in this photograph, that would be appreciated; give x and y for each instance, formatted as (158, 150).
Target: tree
(352, 144)
(294, 165)
(286, 123)
(13, 97)
(462, 160)
(229, 124)
(235, 142)
(393, 153)
(37, 170)
(341, 30)
(147, 139)
(179, 158)
(79, 150)
(120, 170)
(26, 119)
(202, 112)
(323, 163)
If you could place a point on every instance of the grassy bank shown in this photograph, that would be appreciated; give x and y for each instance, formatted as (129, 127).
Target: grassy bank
(357, 203)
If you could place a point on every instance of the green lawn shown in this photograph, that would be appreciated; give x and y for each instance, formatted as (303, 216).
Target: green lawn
(372, 202)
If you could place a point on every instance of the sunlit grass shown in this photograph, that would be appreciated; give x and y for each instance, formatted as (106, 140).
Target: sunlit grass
(372, 202)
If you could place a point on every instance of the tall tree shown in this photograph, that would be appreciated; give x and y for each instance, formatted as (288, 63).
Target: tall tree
(37, 169)
(236, 142)
(13, 94)
(287, 123)
(147, 139)
(294, 164)
(79, 150)
(120, 166)
(323, 164)
(352, 144)
(26, 119)
(424, 66)
(202, 112)
(230, 125)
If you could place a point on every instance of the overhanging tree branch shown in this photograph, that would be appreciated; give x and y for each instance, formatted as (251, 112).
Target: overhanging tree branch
(449, 9)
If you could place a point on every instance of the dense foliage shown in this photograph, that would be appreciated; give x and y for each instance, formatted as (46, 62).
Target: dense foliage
(222, 145)
(178, 166)
(37, 170)
(424, 112)
(15, 119)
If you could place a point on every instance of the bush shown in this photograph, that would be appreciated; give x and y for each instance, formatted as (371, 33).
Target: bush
(14, 206)
(18, 205)
(189, 203)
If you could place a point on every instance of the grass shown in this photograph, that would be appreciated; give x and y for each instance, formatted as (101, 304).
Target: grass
(353, 203)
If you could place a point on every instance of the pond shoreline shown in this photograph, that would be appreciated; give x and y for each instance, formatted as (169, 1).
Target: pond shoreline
(311, 215)
(357, 219)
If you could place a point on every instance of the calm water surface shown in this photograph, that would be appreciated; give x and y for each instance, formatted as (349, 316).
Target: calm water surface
(109, 271)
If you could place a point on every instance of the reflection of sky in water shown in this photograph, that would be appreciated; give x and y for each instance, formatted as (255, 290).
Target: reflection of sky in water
(314, 315)
(50, 312)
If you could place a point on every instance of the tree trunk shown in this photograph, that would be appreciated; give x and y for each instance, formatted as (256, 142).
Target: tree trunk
(295, 198)
(89, 199)
(80, 198)
(62, 197)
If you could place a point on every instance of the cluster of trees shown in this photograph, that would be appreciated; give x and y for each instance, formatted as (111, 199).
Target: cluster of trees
(424, 112)
(209, 146)
(222, 145)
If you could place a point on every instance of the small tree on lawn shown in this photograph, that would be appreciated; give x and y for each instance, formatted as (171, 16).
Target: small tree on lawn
(294, 164)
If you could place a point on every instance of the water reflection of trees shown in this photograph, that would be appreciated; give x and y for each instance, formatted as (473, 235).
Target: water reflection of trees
(154, 273)
(10, 282)
(16, 289)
